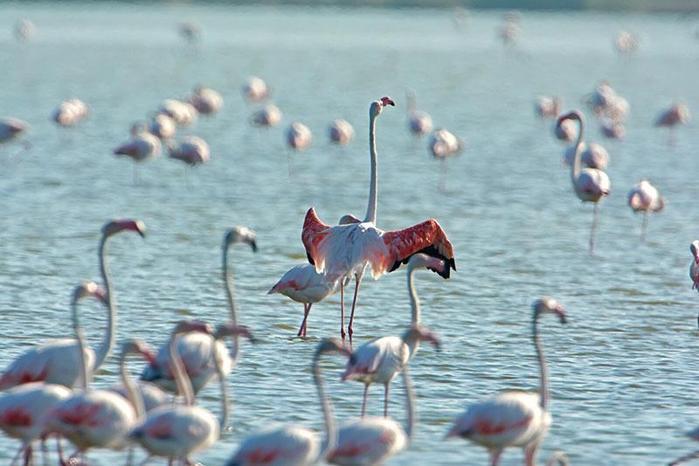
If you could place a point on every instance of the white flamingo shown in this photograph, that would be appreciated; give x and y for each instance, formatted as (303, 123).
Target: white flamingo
(200, 352)
(346, 250)
(255, 89)
(189, 31)
(70, 112)
(381, 359)
(513, 418)
(298, 136)
(612, 129)
(340, 132)
(592, 155)
(677, 114)
(443, 144)
(564, 131)
(590, 184)
(547, 107)
(626, 42)
(207, 101)
(269, 115)
(644, 197)
(419, 123)
(58, 361)
(192, 150)
(183, 113)
(162, 126)
(294, 445)
(142, 146)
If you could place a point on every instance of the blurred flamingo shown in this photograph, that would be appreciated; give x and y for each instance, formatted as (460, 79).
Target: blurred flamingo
(340, 132)
(70, 112)
(142, 146)
(255, 89)
(24, 30)
(11, 129)
(677, 114)
(592, 156)
(298, 136)
(548, 107)
(192, 150)
(162, 126)
(644, 197)
(269, 115)
(183, 113)
(419, 123)
(207, 101)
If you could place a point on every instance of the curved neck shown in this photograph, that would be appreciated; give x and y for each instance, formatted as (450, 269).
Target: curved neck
(132, 393)
(414, 300)
(107, 344)
(543, 371)
(409, 403)
(184, 385)
(576, 167)
(228, 284)
(80, 337)
(373, 182)
(223, 420)
(330, 440)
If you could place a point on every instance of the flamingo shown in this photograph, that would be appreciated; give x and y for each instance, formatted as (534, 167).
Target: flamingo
(200, 352)
(207, 101)
(444, 144)
(175, 432)
(694, 435)
(626, 42)
(183, 113)
(564, 131)
(294, 445)
(508, 32)
(677, 114)
(269, 115)
(57, 361)
(612, 129)
(142, 146)
(380, 360)
(592, 156)
(590, 184)
(644, 197)
(340, 132)
(373, 440)
(345, 250)
(547, 107)
(513, 418)
(419, 123)
(162, 126)
(255, 89)
(192, 150)
(13, 128)
(70, 112)
(24, 30)
(298, 136)
(694, 267)
(95, 418)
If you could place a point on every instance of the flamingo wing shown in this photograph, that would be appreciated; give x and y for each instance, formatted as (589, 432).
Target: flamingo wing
(427, 237)
(314, 230)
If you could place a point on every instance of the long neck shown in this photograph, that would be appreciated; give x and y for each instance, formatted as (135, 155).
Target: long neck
(107, 344)
(409, 403)
(132, 393)
(414, 300)
(80, 337)
(373, 182)
(576, 167)
(228, 284)
(543, 370)
(330, 439)
(223, 420)
(184, 385)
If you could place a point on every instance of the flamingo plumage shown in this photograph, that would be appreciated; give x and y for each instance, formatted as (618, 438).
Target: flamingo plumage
(162, 126)
(11, 129)
(298, 136)
(592, 156)
(340, 132)
(269, 115)
(645, 198)
(70, 112)
(419, 122)
(513, 418)
(206, 100)
(183, 113)
(192, 150)
(547, 107)
(255, 89)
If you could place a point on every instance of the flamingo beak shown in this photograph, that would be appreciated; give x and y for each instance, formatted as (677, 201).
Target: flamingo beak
(561, 313)
(387, 101)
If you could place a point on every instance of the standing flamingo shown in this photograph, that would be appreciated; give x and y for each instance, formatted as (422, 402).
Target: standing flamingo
(294, 445)
(200, 352)
(142, 146)
(192, 150)
(346, 250)
(626, 42)
(93, 418)
(162, 126)
(380, 360)
(175, 432)
(564, 131)
(612, 129)
(13, 128)
(298, 136)
(255, 89)
(677, 114)
(547, 107)
(419, 123)
(590, 184)
(694, 435)
(189, 31)
(269, 115)
(644, 197)
(340, 132)
(183, 113)
(58, 361)
(206, 101)
(70, 112)
(369, 441)
(513, 418)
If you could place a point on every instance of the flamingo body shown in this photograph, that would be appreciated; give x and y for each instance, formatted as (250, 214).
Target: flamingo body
(368, 441)
(142, 146)
(255, 89)
(592, 185)
(289, 445)
(677, 114)
(206, 101)
(592, 156)
(162, 126)
(183, 113)
(304, 285)
(644, 197)
(24, 30)
(192, 150)
(10, 128)
(270, 115)
(340, 132)
(24, 409)
(153, 397)
(70, 112)
(565, 131)
(298, 136)
(378, 361)
(443, 144)
(547, 107)
(694, 266)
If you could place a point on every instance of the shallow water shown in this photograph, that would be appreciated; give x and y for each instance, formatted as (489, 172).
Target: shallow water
(622, 371)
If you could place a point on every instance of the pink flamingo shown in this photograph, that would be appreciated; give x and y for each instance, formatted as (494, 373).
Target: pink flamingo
(142, 146)
(345, 250)
(592, 156)
(612, 129)
(513, 418)
(298, 136)
(677, 114)
(255, 89)
(175, 432)
(206, 101)
(162, 126)
(373, 440)
(564, 131)
(444, 144)
(199, 351)
(644, 197)
(294, 445)
(95, 418)
(183, 113)
(590, 184)
(419, 123)
(340, 132)
(70, 112)
(694, 435)
(626, 42)
(269, 115)
(192, 150)
(380, 360)
(694, 267)
(58, 361)
(548, 107)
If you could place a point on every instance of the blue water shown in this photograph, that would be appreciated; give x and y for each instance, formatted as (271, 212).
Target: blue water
(622, 372)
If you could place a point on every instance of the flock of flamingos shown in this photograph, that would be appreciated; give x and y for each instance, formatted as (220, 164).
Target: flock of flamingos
(47, 394)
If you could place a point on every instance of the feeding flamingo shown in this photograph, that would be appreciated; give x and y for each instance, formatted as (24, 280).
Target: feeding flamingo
(548, 107)
(380, 360)
(57, 361)
(269, 115)
(298, 136)
(590, 184)
(644, 197)
(694, 435)
(207, 101)
(419, 123)
(192, 150)
(346, 250)
(294, 445)
(592, 156)
(340, 132)
(255, 89)
(200, 352)
(513, 418)
(373, 440)
(70, 112)
(162, 126)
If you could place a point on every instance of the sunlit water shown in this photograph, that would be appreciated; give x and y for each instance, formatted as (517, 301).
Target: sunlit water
(623, 371)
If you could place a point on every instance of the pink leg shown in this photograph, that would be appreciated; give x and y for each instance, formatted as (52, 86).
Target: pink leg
(357, 282)
(495, 457)
(530, 454)
(385, 400)
(28, 454)
(366, 392)
(342, 310)
(302, 328)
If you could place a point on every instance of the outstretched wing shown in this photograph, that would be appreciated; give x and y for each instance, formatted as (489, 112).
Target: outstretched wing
(314, 230)
(426, 237)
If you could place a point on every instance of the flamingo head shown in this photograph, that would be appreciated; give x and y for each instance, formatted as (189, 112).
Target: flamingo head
(421, 333)
(188, 326)
(332, 345)
(548, 305)
(572, 115)
(137, 346)
(377, 106)
(116, 226)
(89, 289)
(423, 260)
(694, 247)
(230, 329)
(239, 234)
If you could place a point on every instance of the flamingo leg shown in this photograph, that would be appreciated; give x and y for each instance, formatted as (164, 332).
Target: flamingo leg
(593, 229)
(28, 455)
(366, 392)
(357, 282)
(685, 458)
(306, 310)
(59, 449)
(385, 399)
(342, 310)
(644, 226)
(530, 454)
(495, 457)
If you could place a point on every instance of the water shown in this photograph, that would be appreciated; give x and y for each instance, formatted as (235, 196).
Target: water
(622, 371)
